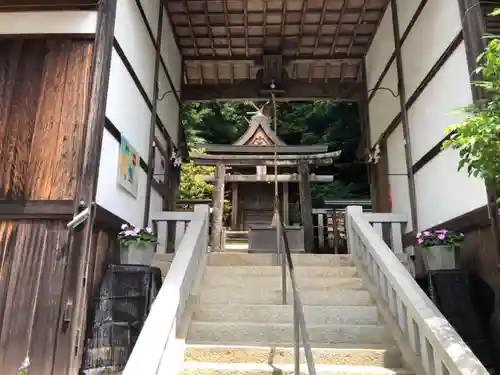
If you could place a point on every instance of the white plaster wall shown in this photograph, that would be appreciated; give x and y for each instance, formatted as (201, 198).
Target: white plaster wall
(384, 107)
(381, 50)
(398, 178)
(126, 108)
(437, 106)
(61, 22)
(406, 11)
(169, 50)
(139, 50)
(436, 27)
(443, 193)
(130, 113)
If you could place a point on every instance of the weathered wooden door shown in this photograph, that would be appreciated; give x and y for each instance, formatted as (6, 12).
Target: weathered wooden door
(257, 203)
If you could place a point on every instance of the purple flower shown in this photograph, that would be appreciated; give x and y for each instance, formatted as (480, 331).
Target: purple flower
(129, 233)
(420, 241)
(136, 230)
(441, 236)
(427, 233)
(443, 231)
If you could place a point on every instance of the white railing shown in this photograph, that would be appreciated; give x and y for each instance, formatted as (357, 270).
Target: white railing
(433, 340)
(156, 344)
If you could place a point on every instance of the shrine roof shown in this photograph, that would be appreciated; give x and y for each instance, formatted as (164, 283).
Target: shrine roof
(260, 138)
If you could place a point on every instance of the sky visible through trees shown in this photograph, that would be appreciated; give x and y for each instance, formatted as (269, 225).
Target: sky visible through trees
(299, 123)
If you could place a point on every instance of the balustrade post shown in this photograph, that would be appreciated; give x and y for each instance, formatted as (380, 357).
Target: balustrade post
(351, 241)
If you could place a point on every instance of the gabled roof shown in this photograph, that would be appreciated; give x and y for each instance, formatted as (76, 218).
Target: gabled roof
(259, 130)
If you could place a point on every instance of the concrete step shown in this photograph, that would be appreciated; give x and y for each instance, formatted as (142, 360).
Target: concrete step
(300, 271)
(270, 297)
(274, 283)
(284, 314)
(228, 333)
(192, 368)
(246, 259)
(374, 355)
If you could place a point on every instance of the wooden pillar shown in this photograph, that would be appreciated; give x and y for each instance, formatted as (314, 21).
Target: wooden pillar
(235, 206)
(286, 204)
(404, 114)
(306, 206)
(218, 207)
(82, 240)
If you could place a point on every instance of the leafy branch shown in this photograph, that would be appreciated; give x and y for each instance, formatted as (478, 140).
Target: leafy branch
(477, 136)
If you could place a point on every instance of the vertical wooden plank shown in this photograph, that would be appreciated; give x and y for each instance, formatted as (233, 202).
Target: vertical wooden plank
(87, 184)
(306, 206)
(286, 203)
(218, 207)
(321, 231)
(234, 208)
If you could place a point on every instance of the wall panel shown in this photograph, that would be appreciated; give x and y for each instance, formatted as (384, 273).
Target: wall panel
(436, 27)
(443, 193)
(50, 22)
(384, 107)
(438, 105)
(43, 96)
(380, 50)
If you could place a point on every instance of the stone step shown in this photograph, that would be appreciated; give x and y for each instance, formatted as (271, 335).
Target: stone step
(245, 282)
(301, 271)
(316, 315)
(249, 259)
(241, 333)
(374, 355)
(270, 297)
(196, 368)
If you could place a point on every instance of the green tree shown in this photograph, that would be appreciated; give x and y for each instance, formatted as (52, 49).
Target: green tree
(192, 185)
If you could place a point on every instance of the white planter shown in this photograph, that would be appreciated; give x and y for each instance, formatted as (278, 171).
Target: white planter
(139, 254)
(439, 258)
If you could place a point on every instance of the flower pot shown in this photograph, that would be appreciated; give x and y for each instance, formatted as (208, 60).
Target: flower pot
(141, 254)
(439, 258)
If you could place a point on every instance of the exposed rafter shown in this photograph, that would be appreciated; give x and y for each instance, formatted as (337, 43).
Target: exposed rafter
(292, 90)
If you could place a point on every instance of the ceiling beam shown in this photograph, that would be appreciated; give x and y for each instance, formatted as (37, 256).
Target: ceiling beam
(292, 90)
(339, 57)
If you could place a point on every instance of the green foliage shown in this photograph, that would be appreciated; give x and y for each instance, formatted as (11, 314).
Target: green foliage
(308, 123)
(131, 235)
(477, 136)
(192, 185)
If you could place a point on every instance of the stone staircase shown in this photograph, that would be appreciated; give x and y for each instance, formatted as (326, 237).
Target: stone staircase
(240, 326)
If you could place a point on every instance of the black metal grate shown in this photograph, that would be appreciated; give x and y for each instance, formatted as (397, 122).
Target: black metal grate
(120, 310)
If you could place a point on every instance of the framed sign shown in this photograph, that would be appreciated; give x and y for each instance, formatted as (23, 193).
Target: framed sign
(128, 169)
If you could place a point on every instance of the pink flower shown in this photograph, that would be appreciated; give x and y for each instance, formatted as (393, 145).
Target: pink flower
(419, 234)
(441, 236)
(427, 233)
(420, 241)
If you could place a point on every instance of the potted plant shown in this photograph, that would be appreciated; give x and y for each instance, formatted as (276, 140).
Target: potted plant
(137, 245)
(439, 248)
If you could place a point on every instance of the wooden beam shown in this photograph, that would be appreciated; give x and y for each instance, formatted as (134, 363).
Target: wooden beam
(36, 210)
(404, 114)
(282, 178)
(234, 206)
(237, 149)
(152, 121)
(292, 90)
(218, 208)
(306, 207)
(281, 160)
(88, 173)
